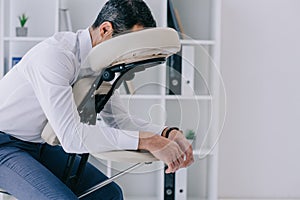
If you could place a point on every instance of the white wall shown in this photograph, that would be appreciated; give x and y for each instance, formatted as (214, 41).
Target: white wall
(259, 148)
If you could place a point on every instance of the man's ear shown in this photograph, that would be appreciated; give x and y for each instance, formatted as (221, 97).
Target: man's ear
(106, 29)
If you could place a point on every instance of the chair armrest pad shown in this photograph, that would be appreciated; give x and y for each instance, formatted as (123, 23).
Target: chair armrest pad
(126, 156)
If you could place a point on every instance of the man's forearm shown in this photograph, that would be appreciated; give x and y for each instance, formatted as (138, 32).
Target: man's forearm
(146, 140)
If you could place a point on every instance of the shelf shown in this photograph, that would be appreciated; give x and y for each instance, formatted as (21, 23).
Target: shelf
(196, 97)
(139, 198)
(202, 153)
(167, 97)
(197, 42)
(140, 96)
(24, 39)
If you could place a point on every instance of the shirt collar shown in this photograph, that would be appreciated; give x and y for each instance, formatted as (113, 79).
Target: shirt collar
(85, 44)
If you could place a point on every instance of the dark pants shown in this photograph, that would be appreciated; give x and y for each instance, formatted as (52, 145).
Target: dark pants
(32, 171)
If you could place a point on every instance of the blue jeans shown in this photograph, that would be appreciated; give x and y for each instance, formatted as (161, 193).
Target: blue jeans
(33, 171)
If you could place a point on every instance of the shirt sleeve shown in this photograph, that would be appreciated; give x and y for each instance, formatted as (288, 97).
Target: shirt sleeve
(50, 73)
(115, 115)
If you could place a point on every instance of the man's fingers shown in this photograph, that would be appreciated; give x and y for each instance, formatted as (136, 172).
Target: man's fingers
(186, 147)
(183, 161)
(175, 153)
(189, 157)
(171, 168)
(180, 161)
(176, 163)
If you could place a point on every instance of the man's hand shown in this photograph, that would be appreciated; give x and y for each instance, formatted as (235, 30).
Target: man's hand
(184, 145)
(163, 149)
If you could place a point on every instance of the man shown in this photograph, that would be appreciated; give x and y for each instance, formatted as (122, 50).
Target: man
(39, 90)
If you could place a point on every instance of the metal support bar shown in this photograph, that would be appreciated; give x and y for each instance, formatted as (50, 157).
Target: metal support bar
(111, 179)
(68, 168)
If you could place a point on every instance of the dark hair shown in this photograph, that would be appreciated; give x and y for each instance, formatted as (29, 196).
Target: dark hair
(124, 14)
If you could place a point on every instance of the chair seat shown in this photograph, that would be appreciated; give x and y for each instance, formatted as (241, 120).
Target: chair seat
(126, 156)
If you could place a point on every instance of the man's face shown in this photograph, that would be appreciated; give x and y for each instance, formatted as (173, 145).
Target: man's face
(105, 32)
(137, 27)
(134, 28)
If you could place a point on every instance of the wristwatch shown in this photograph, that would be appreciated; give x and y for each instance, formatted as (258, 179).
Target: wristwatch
(171, 129)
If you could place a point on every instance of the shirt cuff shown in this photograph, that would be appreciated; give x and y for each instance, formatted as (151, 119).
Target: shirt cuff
(128, 140)
(161, 130)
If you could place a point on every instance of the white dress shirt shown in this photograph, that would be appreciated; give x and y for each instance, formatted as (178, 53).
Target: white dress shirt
(38, 89)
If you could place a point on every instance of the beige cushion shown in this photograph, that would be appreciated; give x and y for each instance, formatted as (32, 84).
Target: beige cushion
(134, 46)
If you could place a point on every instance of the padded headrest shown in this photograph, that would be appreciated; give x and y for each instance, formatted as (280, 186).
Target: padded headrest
(133, 46)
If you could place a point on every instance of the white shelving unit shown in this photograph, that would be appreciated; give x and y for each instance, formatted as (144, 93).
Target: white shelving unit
(24, 39)
(43, 22)
(201, 21)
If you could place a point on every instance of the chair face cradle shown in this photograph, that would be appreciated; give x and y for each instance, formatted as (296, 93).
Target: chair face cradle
(128, 54)
(133, 47)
